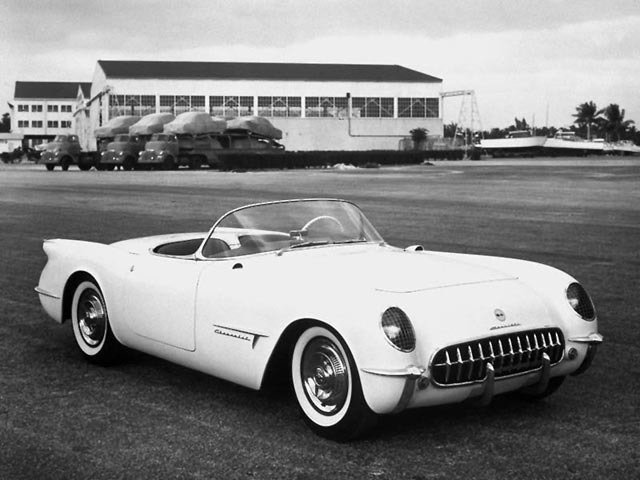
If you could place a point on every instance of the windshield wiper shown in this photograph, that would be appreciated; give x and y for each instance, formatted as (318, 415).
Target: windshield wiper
(311, 243)
(355, 240)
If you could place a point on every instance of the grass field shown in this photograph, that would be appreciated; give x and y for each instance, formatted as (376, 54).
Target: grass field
(63, 418)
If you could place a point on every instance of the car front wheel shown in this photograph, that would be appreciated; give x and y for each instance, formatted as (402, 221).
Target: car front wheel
(327, 386)
(91, 326)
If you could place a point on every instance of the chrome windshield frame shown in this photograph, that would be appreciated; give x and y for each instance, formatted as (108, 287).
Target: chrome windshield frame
(199, 255)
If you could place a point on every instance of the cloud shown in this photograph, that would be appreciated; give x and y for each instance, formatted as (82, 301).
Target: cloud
(517, 55)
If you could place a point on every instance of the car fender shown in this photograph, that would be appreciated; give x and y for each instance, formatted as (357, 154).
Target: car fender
(66, 258)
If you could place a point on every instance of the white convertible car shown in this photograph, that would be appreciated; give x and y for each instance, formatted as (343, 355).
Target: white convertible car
(365, 328)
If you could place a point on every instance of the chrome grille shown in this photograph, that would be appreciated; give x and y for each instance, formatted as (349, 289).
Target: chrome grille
(510, 354)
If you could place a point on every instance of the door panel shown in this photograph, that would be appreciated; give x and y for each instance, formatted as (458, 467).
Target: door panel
(160, 292)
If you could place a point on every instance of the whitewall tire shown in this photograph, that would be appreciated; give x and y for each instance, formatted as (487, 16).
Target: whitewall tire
(90, 323)
(327, 386)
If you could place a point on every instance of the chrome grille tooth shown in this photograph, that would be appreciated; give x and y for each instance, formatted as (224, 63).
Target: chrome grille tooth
(500, 359)
(529, 351)
(512, 354)
(509, 354)
(471, 364)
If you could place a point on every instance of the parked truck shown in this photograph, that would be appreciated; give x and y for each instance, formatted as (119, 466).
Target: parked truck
(251, 134)
(65, 150)
(189, 140)
(125, 149)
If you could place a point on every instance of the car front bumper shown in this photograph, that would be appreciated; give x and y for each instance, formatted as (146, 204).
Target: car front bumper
(393, 390)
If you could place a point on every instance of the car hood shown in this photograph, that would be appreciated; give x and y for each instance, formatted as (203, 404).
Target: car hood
(157, 145)
(392, 270)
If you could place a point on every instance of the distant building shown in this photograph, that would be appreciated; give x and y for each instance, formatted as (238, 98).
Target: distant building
(10, 141)
(42, 110)
(317, 106)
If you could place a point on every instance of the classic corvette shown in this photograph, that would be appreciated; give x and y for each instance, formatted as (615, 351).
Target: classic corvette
(308, 290)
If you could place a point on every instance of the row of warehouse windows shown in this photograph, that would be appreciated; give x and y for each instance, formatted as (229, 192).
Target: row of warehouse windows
(50, 108)
(237, 106)
(50, 124)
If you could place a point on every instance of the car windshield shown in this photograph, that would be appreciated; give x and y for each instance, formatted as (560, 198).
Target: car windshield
(60, 138)
(289, 225)
(122, 138)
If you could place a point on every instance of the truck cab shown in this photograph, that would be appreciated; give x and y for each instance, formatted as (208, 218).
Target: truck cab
(168, 151)
(64, 150)
(160, 151)
(122, 151)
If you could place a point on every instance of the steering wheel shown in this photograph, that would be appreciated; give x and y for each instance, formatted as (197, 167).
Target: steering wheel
(323, 218)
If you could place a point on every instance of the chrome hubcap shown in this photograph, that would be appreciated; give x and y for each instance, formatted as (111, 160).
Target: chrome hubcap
(324, 376)
(92, 318)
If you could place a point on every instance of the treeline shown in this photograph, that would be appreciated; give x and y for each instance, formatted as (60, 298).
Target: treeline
(590, 122)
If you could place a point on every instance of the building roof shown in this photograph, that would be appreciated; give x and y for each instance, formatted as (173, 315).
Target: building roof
(51, 89)
(263, 71)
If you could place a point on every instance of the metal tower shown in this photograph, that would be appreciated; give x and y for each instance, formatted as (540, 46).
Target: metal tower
(469, 124)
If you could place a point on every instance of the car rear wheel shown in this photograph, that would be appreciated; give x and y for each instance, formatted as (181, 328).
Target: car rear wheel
(327, 386)
(91, 327)
(50, 166)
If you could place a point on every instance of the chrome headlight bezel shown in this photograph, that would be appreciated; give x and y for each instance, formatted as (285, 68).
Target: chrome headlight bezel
(580, 301)
(398, 330)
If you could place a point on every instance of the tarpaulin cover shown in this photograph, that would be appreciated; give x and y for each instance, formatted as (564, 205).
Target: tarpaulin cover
(116, 126)
(195, 123)
(258, 125)
(150, 124)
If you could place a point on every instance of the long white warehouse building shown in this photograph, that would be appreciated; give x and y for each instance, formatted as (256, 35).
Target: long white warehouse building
(317, 106)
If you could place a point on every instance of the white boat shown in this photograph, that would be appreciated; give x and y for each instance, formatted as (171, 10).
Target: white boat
(517, 142)
(625, 147)
(568, 143)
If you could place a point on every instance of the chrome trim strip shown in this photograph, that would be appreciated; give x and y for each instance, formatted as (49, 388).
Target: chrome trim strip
(257, 334)
(411, 371)
(591, 338)
(41, 291)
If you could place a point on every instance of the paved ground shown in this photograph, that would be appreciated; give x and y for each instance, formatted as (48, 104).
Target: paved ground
(63, 418)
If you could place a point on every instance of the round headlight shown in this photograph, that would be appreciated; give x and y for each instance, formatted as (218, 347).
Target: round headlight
(580, 301)
(398, 330)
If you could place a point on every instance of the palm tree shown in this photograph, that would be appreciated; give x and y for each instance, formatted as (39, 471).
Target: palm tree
(587, 114)
(418, 136)
(614, 122)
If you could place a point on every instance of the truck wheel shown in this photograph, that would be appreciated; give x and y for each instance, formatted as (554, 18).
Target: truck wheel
(64, 163)
(84, 166)
(50, 166)
(195, 163)
(128, 164)
(169, 164)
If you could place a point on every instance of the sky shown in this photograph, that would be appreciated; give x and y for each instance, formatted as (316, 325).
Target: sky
(533, 59)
